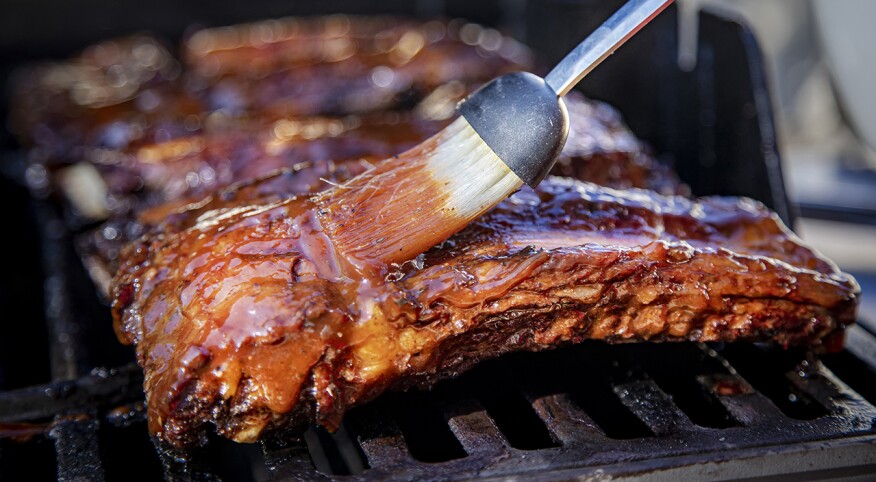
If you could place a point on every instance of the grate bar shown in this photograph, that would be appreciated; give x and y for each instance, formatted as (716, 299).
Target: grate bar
(832, 393)
(289, 459)
(380, 437)
(746, 405)
(810, 377)
(65, 346)
(862, 344)
(101, 389)
(653, 407)
(348, 450)
(127, 415)
(473, 427)
(193, 468)
(76, 448)
(566, 421)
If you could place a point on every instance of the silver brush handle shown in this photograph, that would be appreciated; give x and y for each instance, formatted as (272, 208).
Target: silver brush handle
(602, 43)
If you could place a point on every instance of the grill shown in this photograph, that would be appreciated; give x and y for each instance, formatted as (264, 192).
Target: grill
(72, 403)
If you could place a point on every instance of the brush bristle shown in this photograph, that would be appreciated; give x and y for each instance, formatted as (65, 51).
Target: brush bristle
(409, 203)
(473, 175)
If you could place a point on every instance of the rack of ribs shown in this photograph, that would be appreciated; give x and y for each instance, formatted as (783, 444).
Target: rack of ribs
(245, 318)
(600, 149)
(132, 91)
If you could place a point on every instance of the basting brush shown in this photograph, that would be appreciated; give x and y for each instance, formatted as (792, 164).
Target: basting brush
(509, 132)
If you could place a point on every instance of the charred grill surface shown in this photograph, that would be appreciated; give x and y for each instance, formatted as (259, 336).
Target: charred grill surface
(245, 318)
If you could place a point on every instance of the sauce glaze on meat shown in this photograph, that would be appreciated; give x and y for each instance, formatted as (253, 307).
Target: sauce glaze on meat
(599, 149)
(245, 318)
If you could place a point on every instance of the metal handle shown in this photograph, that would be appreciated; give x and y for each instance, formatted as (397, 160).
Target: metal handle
(602, 43)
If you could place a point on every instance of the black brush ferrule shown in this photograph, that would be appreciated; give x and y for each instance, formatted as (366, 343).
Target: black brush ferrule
(522, 120)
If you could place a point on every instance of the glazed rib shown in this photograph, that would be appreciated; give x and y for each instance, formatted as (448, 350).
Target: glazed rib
(600, 149)
(248, 99)
(342, 65)
(150, 129)
(129, 92)
(244, 318)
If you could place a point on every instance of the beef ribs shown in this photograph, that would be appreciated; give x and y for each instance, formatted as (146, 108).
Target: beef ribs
(244, 317)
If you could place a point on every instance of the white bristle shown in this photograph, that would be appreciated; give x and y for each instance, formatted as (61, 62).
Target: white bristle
(472, 174)
(409, 203)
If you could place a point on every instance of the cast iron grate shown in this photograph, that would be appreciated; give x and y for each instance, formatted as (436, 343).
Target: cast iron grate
(588, 410)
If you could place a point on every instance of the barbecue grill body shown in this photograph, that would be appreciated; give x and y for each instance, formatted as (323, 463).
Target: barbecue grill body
(680, 411)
